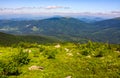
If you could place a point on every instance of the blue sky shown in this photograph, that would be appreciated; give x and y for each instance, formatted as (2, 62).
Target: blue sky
(65, 7)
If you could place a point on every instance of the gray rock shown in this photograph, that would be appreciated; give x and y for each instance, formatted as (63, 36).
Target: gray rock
(36, 68)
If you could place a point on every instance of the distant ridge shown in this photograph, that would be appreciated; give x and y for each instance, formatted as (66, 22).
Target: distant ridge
(66, 29)
(107, 30)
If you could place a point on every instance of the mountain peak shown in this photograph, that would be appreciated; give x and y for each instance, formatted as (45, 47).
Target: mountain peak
(70, 19)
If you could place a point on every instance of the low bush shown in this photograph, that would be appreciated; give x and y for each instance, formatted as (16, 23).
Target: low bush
(8, 68)
(50, 54)
(21, 58)
(11, 66)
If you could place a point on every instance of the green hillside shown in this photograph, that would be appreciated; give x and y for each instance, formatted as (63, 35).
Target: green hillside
(66, 29)
(107, 31)
(7, 39)
(67, 60)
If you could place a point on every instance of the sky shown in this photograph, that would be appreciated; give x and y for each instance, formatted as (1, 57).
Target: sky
(61, 7)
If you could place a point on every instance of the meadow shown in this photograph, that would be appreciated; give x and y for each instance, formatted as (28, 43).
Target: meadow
(60, 60)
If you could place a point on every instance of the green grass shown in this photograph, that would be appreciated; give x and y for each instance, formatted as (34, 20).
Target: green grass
(89, 60)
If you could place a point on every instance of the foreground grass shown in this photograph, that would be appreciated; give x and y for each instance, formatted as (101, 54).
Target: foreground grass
(69, 60)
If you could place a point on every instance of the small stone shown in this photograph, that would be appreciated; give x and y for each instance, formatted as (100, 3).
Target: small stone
(35, 68)
(57, 46)
(69, 54)
(68, 77)
(27, 50)
(78, 53)
(117, 51)
(66, 49)
(88, 56)
(102, 58)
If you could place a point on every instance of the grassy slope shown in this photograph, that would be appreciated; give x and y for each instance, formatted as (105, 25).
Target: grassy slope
(91, 60)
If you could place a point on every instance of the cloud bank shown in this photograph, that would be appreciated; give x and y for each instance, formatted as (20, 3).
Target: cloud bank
(55, 10)
(31, 8)
(56, 7)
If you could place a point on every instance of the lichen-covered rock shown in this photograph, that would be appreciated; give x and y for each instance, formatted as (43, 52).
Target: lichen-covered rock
(66, 49)
(35, 68)
(57, 46)
(68, 77)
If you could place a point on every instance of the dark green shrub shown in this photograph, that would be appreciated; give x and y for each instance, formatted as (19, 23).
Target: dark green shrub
(41, 48)
(36, 53)
(27, 45)
(85, 52)
(50, 54)
(8, 68)
(100, 54)
(1, 68)
(21, 58)
(3, 76)
(11, 68)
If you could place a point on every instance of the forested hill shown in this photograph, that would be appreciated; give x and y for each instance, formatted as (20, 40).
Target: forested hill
(66, 28)
(7, 39)
(107, 30)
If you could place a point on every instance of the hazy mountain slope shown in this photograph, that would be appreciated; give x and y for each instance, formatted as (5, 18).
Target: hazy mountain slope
(107, 30)
(68, 29)
(110, 23)
(49, 26)
(60, 27)
(7, 39)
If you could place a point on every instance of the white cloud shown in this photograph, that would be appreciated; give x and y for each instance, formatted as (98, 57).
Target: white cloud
(53, 7)
(115, 12)
(55, 10)
(29, 8)
(56, 7)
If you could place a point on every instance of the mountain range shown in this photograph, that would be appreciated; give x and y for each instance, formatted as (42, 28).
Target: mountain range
(66, 29)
